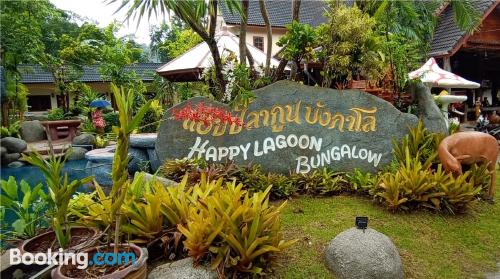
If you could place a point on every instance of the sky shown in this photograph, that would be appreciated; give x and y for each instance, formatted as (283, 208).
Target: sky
(101, 13)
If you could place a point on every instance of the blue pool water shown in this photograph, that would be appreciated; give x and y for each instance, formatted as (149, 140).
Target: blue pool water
(32, 175)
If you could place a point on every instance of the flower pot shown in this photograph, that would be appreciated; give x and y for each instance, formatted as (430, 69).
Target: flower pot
(40, 243)
(132, 271)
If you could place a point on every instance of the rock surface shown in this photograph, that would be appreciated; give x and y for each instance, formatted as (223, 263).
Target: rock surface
(16, 164)
(351, 129)
(13, 145)
(162, 180)
(369, 254)
(139, 161)
(145, 140)
(84, 139)
(10, 157)
(100, 164)
(3, 150)
(182, 269)
(32, 131)
(153, 159)
(431, 115)
(77, 153)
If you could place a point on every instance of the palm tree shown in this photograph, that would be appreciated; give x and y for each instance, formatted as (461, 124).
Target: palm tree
(200, 15)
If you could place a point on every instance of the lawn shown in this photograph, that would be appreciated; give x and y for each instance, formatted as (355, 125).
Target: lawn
(431, 245)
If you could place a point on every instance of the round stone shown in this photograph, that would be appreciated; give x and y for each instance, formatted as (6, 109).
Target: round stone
(3, 150)
(16, 164)
(182, 269)
(13, 145)
(10, 157)
(366, 253)
(104, 155)
(77, 153)
(139, 160)
(145, 140)
(32, 131)
(84, 139)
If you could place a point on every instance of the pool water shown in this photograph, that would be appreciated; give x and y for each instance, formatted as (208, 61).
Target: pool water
(32, 175)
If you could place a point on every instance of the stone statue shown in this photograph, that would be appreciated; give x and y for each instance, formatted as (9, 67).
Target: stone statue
(428, 111)
(469, 148)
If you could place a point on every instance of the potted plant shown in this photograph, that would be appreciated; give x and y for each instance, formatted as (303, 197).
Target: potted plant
(119, 177)
(58, 197)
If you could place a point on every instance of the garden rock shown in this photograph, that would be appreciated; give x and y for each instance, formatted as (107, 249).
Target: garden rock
(144, 140)
(428, 111)
(153, 159)
(363, 254)
(84, 139)
(32, 131)
(77, 153)
(10, 157)
(291, 127)
(3, 150)
(100, 164)
(13, 145)
(16, 164)
(182, 269)
(148, 177)
(139, 161)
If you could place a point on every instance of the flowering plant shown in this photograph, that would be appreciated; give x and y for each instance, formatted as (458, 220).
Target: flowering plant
(207, 114)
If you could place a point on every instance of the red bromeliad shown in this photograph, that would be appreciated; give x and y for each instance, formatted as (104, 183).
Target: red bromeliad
(206, 114)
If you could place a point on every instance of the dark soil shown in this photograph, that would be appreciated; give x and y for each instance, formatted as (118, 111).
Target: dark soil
(97, 271)
(43, 243)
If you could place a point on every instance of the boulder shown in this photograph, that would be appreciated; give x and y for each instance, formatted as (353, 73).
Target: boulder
(32, 131)
(139, 161)
(145, 140)
(428, 111)
(99, 164)
(16, 164)
(77, 153)
(13, 145)
(3, 150)
(355, 253)
(10, 157)
(153, 159)
(182, 269)
(84, 139)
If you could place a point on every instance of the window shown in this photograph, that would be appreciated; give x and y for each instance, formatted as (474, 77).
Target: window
(258, 42)
(39, 103)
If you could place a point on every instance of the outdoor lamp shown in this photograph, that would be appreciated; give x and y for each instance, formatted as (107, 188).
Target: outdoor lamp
(361, 222)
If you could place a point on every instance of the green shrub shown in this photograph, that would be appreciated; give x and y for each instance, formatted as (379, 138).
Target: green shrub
(111, 119)
(56, 114)
(362, 182)
(11, 131)
(178, 168)
(319, 182)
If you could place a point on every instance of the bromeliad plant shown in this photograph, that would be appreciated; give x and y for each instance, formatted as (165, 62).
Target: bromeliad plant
(60, 192)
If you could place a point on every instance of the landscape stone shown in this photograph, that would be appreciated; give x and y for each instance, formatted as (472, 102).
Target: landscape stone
(153, 159)
(182, 269)
(77, 153)
(3, 150)
(16, 164)
(292, 127)
(428, 111)
(144, 140)
(100, 164)
(13, 145)
(84, 139)
(359, 254)
(32, 131)
(148, 177)
(10, 157)
(139, 160)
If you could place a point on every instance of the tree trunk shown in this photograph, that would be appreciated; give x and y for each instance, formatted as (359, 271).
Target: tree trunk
(269, 32)
(220, 86)
(281, 67)
(243, 32)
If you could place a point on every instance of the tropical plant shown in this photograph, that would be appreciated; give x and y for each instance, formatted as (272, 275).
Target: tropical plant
(362, 182)
(178, 168)
(458, 193)
(119, 174)
(350, 46)
(11, 131)
(200, 16)
(111, 119)
(319, 182)
(29, 208)
(152, 118)
(281, 186)
(60, 191)
(56, 114)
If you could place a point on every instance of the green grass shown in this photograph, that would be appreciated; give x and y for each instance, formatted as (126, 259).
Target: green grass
(431, 245)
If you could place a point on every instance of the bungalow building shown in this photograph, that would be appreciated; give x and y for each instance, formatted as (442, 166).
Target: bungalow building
(43, 96)
(280, 14)
(473, 56)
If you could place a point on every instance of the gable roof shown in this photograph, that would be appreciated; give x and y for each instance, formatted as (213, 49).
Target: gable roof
(447, 35)
(280, 13)
(33, 73)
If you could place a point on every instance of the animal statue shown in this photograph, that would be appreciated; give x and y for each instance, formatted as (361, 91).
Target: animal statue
(468, 148)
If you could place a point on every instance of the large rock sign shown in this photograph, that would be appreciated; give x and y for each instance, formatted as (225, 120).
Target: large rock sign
(293, 128)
